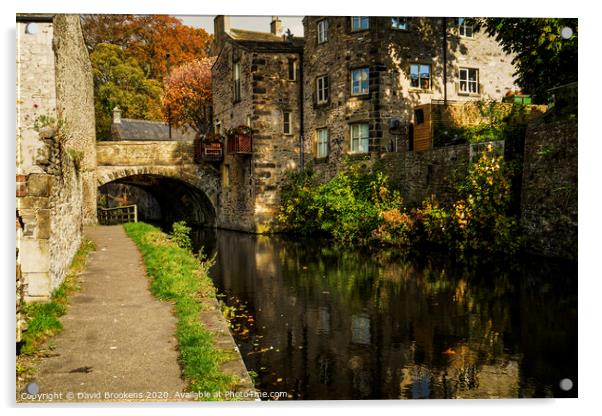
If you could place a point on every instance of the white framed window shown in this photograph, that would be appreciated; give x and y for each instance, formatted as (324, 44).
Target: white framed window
(322, 89)
(237, 81)
(322, 143)
(464, 30)
(322, 31)
(359, 138)
(399, 23)
(287, 127)
(469, 80)
(420, 76)
(292, 69)
(360, 81)
(360, 23)
(249, 121)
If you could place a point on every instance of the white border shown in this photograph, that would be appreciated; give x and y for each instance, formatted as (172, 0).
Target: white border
(590, 153)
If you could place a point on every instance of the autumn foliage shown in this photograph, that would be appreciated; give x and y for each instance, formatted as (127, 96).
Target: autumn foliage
(187, 95)
(148, 39)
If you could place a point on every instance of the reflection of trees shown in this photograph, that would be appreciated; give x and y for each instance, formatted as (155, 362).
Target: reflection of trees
(375, 324)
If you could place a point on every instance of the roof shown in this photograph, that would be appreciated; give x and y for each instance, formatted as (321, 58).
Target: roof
(240, 34)
(145, 130)
(264, 41)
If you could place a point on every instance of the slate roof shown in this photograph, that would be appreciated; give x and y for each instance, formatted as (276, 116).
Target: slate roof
(145, 130)
(241, 34)
(264, 41)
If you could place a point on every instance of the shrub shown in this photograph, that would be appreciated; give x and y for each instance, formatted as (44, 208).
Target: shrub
(180, 234)
(481, 220)
(433, 222)
(347, 207)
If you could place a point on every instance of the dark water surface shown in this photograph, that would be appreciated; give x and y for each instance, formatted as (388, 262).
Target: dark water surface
(319, 322)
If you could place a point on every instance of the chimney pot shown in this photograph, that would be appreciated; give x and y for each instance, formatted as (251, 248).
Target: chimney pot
(117, 115)
(276, 26)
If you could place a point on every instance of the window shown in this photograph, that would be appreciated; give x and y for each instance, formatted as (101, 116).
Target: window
(469, 80)
(322, 31)
(360, 23)
(249, 121)
(359, 138)
(399, 23)
(218, 128)
(464, 30)
(286, 123)
(359, 81)
(420, 76)
(322, 89)
(292, 70)
(322, 147)
(237, 81)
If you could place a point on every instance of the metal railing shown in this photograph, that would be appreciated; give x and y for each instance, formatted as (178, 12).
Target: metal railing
(117, 215)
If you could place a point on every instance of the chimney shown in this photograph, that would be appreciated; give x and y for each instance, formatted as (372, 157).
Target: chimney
(221, 27)
(276, 26)
(117, 115)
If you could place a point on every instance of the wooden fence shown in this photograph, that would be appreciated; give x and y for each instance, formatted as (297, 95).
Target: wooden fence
(117, 215)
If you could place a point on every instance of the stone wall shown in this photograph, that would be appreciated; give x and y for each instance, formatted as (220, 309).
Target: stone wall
(388, 53)
(138, 153)
(75, 103)
(422, 174)
(251, 183)
(549, 189)
(55, 149)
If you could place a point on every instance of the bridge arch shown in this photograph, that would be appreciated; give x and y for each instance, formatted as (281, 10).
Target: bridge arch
(183, 192)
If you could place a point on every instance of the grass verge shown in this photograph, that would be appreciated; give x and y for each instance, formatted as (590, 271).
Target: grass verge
(43, 318)
(178, 276)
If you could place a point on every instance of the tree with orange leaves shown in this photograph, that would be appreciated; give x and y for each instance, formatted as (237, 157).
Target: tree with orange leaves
(187, 96)
(148, 39)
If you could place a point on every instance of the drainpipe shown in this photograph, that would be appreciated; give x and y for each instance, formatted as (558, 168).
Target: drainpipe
(301, 122)
(168, 58)
(445, 60)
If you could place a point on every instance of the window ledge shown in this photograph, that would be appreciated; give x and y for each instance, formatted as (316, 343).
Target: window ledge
(320, 160)
(358, 155)
(359, 96)
(469, 94)
(420, 91)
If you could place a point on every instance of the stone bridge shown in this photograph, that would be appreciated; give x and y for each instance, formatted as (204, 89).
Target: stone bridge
(167, 171)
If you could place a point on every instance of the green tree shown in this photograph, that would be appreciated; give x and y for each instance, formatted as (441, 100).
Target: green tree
(543, 58)
(119, 81)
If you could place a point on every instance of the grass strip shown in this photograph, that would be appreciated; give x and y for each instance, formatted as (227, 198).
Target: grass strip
(178, 276)
(43, 318)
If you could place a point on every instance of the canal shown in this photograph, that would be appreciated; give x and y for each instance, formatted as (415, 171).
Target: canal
(320, 322)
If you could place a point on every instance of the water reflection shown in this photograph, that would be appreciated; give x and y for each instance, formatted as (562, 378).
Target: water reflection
(332, 323)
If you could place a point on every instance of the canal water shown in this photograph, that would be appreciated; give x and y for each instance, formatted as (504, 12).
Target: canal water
(320, 322)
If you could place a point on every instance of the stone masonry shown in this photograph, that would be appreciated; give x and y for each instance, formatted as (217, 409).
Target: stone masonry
(388, 53)
(250, 183)
(549, 191)
(56, 192)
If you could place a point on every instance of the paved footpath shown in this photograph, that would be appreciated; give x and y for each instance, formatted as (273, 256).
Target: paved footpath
(117, 338)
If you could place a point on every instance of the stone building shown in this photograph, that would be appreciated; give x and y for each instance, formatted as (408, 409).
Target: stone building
(56, 153)
(345, 92)
(257, 82)
(364, 75)
(128, 129)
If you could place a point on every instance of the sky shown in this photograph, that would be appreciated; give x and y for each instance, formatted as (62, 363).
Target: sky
(256, 23)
